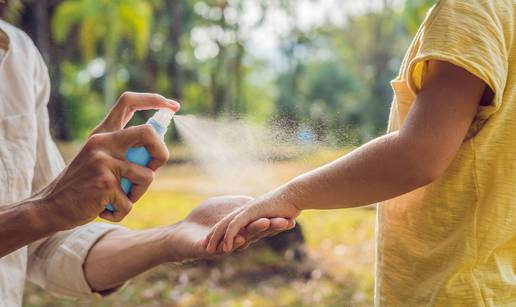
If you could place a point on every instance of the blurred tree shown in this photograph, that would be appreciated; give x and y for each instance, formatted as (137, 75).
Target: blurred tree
(371, 46)
(293, 50)
(325, 76)
(105, 23)
(34, 18)
(219, 46)
(414, 12)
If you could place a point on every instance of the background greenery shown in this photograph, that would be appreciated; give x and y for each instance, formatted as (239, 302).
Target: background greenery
(330, 77)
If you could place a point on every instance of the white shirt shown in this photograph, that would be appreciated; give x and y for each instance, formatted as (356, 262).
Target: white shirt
(29, 160)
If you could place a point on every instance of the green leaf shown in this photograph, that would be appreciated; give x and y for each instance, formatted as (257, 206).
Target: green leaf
(67, 15)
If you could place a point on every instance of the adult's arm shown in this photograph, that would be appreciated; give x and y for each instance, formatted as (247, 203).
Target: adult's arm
(81, 191)
(123, 254)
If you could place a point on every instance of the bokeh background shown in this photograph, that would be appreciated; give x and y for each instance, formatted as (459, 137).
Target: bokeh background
(320, 68)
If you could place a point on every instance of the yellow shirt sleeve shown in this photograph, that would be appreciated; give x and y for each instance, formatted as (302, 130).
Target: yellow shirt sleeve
(471, 35)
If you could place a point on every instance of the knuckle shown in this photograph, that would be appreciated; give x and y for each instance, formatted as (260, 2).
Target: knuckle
(98, 159)
(125, 209)
(162, 155)
(146, 132)
(106, 181)
(97, 156)
(125, 97)
(94, 141)
(155, 96)
(148, 176)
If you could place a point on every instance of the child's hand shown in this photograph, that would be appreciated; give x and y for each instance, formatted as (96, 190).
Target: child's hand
(228, 228)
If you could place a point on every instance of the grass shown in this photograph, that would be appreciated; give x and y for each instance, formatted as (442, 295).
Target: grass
(338, 269)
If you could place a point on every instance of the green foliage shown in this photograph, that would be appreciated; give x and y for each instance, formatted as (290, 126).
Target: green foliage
(414, 13)
(11, 10)
(100, 21)
(84, 108)
(330, 77)
(105, 23)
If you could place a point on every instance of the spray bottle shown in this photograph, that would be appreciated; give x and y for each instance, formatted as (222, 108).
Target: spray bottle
(139, 155)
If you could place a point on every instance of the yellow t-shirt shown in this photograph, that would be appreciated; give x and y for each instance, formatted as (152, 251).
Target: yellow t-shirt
(453, 242)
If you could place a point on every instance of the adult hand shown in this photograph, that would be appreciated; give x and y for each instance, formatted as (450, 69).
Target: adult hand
(227, 229)
(92, 180)
(185, 239)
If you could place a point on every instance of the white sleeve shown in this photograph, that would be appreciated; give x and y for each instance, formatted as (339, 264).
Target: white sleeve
(56, 262)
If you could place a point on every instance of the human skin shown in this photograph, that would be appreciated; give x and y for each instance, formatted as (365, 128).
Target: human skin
(80, 193)
(384, 168)
(123, 254)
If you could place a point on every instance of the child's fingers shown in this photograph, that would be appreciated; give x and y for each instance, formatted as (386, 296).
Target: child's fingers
(279, 224)
(291, 224)
(207, 239)
(258, 226)
(215, 238)
(239, 241)
(218, 233)
(240, 221)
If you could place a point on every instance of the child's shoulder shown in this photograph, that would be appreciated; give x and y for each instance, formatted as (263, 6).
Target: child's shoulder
(476, 14)
(478, 6)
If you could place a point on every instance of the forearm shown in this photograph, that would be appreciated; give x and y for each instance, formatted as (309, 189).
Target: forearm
(23, 223)
(377, 171)
(123, 254)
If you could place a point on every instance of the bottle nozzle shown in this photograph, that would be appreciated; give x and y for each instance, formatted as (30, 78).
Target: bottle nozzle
(163, 117)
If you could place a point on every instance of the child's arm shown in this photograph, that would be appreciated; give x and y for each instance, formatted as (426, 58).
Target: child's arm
(384, 168)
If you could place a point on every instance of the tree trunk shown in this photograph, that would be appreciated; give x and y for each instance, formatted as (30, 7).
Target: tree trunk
(174, 35)
(35, 21)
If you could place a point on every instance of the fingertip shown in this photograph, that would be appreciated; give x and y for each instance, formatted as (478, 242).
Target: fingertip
(228, 245)
(265, 224)
(175, 106)
(279, 223)
(214, 247)
(210, 248)
(205, 242)
(259, 225)
(291, 223)
(239, 241)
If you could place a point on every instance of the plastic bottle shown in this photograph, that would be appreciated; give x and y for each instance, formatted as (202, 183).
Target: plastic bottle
(139, 155)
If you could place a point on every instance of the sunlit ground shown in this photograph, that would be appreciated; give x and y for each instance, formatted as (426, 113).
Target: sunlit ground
(338, 269)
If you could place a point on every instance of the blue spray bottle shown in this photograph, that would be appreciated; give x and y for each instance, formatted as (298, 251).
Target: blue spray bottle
(139, 155)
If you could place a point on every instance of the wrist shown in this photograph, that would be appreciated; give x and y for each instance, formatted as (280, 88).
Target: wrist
(289, 195)
(36, 213)
(171, 244)
(47, 214)
(158, 244)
